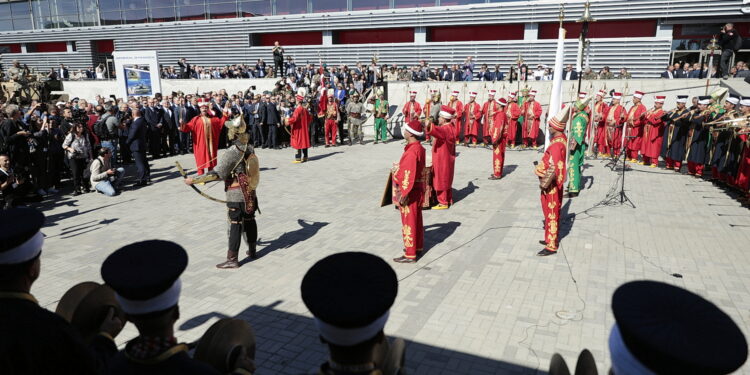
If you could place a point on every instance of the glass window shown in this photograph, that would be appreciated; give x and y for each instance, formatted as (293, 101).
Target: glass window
(292, 6)
(322, 6)
(161, 3)
(163, 14)
(107, 5)
(110, 18)
(190, 2)
(461, 2)
(87, 6)
(255, 8)
(40, 8)
(88, 19)
(68, 20)
(223, 10)
(45, 23)
(413, 3)
(133, 4)
(22, 23)
(370, 4)
(134, 16)
(5, 10)
(64, 7)
(6, 25)
(192, 12)
(20, 9)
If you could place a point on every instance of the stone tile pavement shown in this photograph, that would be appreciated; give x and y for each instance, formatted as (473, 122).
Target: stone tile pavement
(478, 302)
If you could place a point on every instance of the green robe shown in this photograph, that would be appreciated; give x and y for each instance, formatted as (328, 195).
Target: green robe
(381, 124)
(575, 160)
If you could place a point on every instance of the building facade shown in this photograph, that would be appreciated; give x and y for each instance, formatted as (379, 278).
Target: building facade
(642, 35)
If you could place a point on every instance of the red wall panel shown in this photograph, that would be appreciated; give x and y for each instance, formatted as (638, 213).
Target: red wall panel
(297, 38)
(401, 35)
(11, 48)
(104, 46)
(477, 32)
(605, 29)
(47, 47)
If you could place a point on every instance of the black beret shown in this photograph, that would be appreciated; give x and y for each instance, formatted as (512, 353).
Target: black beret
(349, 290)
(143, 270)
(673, 331)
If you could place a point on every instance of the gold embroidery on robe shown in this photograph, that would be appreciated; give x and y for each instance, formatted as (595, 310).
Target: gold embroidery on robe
(408, 238)
(405, 182)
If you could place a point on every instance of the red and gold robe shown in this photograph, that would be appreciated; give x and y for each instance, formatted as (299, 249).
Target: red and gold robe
(472, 114)
(456, 122)
(553, 161)
(653, 135)
(408, 179)
(614, 120)
(443, 161)
(512, 113)
(599, 117)
(489, 108)
(532, 112)
(499, 133)
(299, 123)
(412, 110)
(635, 123)
(205, 132)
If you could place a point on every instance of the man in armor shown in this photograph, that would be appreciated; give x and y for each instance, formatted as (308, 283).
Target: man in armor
(355, 111)
(238, 168)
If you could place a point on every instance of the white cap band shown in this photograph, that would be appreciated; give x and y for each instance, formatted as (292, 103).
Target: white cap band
(163, 301)
(351, 336)
(412, 131)
(681, 100)
(25, 251)
(624, 362)
(445, 115)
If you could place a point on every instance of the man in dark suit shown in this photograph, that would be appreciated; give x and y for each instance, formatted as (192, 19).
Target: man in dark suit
(154, 117)
(251, 110)
(271, 119)
(570, 74)
(137, 143)
(169, 132)
(62, 73)
(184, 68)
(456, 74)
(669, 73)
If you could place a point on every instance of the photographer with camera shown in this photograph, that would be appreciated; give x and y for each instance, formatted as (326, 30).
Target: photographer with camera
(78, 150)
(730, 42)
(104, 178)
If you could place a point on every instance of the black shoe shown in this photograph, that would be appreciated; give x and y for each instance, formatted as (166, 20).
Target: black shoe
(546, 252)
(543, 242)
(403, 259)
(228, 264)
(493, 177)
(76, 193)
(572, 195)
(251, 252)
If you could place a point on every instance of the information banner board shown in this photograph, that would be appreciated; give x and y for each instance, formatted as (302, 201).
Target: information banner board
(137, 73)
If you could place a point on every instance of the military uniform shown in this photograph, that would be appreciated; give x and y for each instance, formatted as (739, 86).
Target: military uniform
(675, 135)
(551, 172)
(698, 140)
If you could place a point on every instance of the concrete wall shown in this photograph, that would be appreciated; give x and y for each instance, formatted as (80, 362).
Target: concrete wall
(89, 89)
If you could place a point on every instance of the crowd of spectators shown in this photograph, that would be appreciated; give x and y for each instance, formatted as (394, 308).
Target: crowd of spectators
(696, 70)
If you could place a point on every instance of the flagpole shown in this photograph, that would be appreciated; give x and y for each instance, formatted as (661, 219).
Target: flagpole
(557, 87)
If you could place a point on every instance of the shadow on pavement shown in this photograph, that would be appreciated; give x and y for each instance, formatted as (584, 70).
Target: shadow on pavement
(288, 342)
(288, 239)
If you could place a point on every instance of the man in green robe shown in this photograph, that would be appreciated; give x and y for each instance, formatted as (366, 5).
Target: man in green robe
(381, 117)
(577, 146)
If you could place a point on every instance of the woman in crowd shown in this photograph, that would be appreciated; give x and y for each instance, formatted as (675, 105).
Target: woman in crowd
(78, 149)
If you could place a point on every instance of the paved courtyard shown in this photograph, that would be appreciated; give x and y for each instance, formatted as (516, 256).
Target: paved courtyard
(478, 302)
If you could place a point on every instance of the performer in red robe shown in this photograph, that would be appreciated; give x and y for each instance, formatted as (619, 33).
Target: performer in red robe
(599, 118)
(531, 112)
(457, 106)
(412, 110)
(614, 120)
(499, 133)
(653, 134)
(742, 181)
(331, 114)
(551, 172)
(443, 156)
(205, 131)
(472, 114)
(408, 180)
(512, 113)
(635, 122)
(488, 112)
(299, 123)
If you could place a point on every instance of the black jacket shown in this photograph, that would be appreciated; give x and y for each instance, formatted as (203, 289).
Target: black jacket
(727, 39)
(573, 75)
(269, 114)
(153, 117)
(12, 143)
(137, 135)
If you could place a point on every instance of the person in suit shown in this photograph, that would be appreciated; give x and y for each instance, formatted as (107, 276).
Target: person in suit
(669, 73)
(270, 118)
(137, 144)
(170, 128)
(184, 68)
(154, 117)
(456, 74)
(252, 111)
(260, 69)
(180, 112)
(63, 73)
(484, 74)
(498, 75)
(570, 73)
